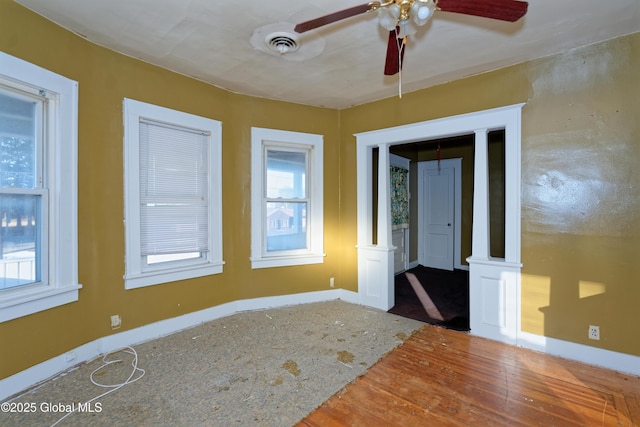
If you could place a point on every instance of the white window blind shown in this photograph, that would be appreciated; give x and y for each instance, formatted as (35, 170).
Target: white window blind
(173, 190)
(173, 195)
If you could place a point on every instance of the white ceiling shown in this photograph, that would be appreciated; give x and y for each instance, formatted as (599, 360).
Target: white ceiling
(338, 65)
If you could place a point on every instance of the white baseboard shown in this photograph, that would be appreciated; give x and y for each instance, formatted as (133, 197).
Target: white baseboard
(582, 353)
(412, 264)
(36, 374)
(30, 377)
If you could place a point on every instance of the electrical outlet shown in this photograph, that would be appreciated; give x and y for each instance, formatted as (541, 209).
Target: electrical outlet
(594, 332)
(70, 357)
(115, 321)
(332, 282)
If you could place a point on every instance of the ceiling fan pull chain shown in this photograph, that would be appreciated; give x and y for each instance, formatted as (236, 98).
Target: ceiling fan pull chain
(400, 84)
(403, 47)
(400, 72)
(401, 42)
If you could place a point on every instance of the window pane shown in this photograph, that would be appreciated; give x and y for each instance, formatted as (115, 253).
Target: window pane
(19, 213)
(17, 141)
(19, 240)
(286, 174)
(286, 226)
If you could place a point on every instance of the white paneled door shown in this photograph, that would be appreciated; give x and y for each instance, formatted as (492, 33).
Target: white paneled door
(437, 217)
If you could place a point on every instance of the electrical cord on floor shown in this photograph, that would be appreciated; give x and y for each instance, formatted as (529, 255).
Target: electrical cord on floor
(136, 374)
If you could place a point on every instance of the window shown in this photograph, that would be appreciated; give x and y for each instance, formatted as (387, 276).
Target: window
(173, 187)
(38, 189)
(286, 195)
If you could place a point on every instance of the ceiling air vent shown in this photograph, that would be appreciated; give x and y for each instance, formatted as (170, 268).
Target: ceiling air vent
(281, 42)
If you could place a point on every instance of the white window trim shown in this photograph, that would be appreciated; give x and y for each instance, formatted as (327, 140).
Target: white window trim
(62, 181)
(315, 255)
(134, 276)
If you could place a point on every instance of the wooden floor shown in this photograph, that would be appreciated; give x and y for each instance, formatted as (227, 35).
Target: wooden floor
(446, 378)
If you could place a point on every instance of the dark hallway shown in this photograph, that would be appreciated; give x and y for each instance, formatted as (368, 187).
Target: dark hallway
(448, 290)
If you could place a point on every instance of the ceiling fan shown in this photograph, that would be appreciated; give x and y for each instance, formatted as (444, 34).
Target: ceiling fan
(403, 17)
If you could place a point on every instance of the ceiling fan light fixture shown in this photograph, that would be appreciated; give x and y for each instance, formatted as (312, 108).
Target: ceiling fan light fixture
(422, 11)
(406, 14)
(406, 28)
(388, 17)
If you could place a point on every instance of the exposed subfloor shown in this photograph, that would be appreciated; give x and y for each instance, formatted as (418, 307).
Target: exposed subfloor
(260, 368)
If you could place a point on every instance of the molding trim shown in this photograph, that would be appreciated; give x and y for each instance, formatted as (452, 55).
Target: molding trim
(620, 362)
(18, 383)
(375, 271)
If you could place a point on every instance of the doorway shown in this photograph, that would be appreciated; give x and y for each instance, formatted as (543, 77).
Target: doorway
(431, 295)
(438, 292)
(494, 282)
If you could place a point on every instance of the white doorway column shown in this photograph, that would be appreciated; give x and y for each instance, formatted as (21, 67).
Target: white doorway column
(480, 239)
(376, 260)
(494, 283)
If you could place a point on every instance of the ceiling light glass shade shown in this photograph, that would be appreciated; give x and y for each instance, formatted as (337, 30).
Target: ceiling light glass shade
(408, 20)
(407, 28)
(388, 17)
(421, 11)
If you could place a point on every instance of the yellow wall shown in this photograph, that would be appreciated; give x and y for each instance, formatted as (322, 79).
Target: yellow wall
(581, 200)
(581, 195)
(105, 78)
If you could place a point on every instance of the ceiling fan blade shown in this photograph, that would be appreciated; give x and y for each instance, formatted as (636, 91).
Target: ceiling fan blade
(395, 54)
(504, 10)
(332, 17)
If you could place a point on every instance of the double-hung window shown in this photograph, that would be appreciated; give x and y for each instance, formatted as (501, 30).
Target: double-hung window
(38, 189)
(287, 193)
(173, 203)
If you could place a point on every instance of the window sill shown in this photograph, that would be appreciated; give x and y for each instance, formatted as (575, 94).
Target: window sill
(20, 303)
(158, 277)
(286, 261)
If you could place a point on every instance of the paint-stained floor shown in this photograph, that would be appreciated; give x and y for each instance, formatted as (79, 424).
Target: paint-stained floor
(262, 368)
